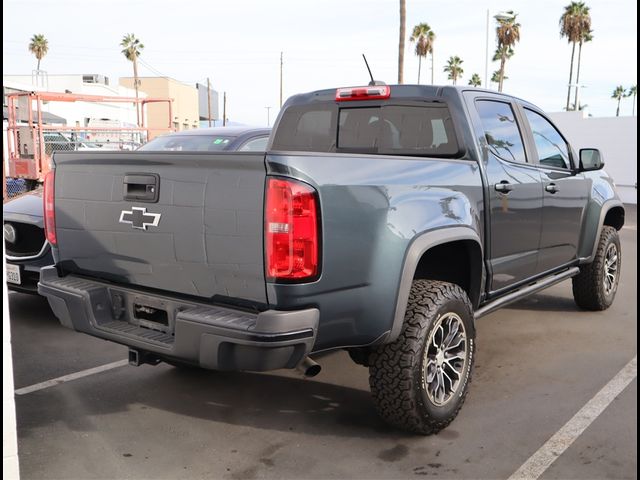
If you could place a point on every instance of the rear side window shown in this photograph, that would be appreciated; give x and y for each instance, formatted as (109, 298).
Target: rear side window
(501, 130)
(388, 129)
(306, 128)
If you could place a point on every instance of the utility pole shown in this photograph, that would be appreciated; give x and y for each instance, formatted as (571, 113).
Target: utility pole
(280, 79)
(268, 119)
(224, 109)
(432, 68)
(209, 100)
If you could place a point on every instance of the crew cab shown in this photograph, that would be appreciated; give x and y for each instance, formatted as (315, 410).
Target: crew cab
(383, 220)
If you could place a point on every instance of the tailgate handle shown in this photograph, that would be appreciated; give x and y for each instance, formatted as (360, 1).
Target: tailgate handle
(141, 187)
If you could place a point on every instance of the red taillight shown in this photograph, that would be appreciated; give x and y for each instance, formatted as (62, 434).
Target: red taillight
(49, 210)
(291, 230)
(375, 92)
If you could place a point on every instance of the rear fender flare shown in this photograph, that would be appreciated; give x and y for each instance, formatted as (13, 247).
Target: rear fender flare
(417, 248)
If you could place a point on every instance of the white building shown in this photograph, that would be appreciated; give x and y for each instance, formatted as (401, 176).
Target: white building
(615, 137)
(84, 113)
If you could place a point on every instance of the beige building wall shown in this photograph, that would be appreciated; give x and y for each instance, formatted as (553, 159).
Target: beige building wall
(184, 115)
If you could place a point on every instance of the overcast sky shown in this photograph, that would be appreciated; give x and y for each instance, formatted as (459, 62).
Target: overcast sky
(237, 44)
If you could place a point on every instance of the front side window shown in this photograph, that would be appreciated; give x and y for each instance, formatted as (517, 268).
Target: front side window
(501, 130)
(551, 147)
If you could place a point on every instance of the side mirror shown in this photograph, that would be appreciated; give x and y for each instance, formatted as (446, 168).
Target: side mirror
(590, 160)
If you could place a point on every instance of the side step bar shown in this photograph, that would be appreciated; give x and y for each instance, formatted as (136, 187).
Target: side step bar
(525, 291)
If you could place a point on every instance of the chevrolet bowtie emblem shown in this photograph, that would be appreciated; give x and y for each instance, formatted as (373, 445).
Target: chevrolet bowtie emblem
(139, 218)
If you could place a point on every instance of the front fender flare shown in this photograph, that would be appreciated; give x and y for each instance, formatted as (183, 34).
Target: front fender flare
(592, 228)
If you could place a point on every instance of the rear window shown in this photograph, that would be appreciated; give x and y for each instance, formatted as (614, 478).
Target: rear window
(388, 129)
(188, 143)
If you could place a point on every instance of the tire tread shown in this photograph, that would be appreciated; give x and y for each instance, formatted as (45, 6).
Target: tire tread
(588, 291)
(392, 370)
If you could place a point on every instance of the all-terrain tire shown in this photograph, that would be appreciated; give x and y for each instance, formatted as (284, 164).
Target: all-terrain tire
(589, 290)
(397, 377)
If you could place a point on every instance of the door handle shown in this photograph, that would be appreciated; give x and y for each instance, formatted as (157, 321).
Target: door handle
(552, 188)
(503, 187)
(141, 187)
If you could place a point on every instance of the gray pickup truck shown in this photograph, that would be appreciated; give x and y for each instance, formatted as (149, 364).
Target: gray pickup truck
(383, 220)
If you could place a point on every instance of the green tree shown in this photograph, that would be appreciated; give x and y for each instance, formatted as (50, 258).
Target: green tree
(403, 33)
(633, 91)
(508, 33)
(131, 49)
(575, 25)
(495, 77)
(39, 46)
(475, 80)
(454, 68)
(618, 94)
(424, 38)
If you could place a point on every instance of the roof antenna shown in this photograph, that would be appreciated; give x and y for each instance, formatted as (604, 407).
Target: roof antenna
(372, 82)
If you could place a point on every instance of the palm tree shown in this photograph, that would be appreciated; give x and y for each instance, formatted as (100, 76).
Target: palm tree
(575, 24)
(475, 80)
(495, 78)
(618, 93)
(508, 33)
(39, 46)
(454, 68)
(403, 32)
(131, 49)
(632, 93)
(424, 38)
(580, 106)
(587, 36)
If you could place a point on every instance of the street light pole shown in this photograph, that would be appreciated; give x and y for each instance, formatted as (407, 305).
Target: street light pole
(224, 109)
(280, 79)
(486, 59)
(268, 119)
(209, 100)
(577, 86)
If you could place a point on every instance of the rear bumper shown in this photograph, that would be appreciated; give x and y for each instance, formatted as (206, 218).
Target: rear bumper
(210, 336)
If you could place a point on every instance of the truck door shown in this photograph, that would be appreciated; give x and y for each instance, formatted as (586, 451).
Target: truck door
(564, 193)
(514, 194)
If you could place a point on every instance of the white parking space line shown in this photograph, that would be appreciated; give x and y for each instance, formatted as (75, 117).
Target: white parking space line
(630, 227)
(563, 438)
(72, 376)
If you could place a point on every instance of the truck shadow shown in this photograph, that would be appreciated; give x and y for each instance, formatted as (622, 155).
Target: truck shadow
(269, 402)
(545, 303)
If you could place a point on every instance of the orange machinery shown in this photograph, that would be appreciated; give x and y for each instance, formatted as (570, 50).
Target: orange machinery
(30, 142)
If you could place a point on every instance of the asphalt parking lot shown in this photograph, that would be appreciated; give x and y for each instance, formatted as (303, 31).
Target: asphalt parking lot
(538, 363)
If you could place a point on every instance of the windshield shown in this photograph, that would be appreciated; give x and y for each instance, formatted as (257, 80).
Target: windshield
(188, 143)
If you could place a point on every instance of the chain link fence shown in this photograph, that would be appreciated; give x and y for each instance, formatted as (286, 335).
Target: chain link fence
(68, 140)
(16, 187)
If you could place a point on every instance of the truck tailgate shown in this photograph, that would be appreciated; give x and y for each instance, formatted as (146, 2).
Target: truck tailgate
(202, 237)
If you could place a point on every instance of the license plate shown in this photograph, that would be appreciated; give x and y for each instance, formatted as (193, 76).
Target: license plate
(13, 274)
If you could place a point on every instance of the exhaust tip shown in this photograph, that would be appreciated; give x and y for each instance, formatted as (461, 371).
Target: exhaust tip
(312, 371)
(309, 368)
